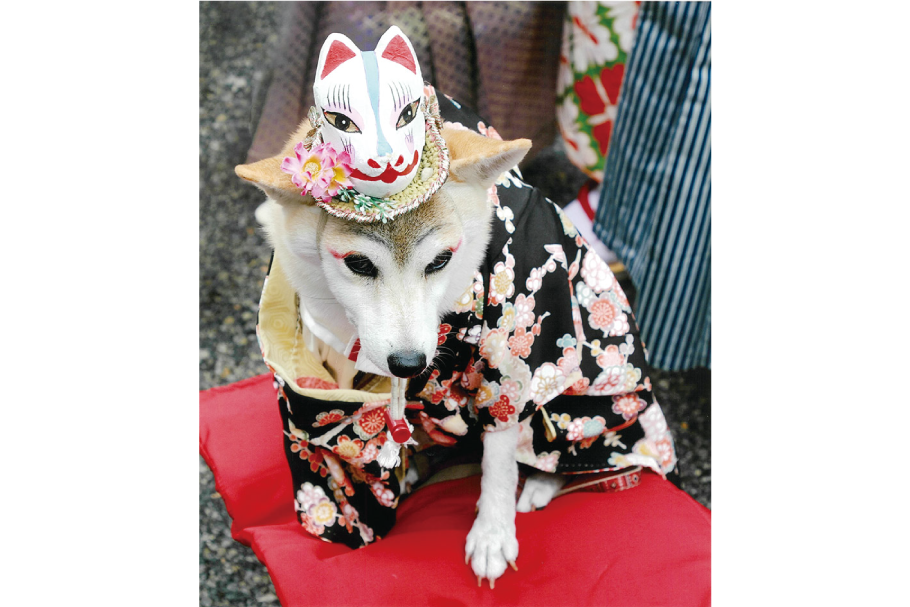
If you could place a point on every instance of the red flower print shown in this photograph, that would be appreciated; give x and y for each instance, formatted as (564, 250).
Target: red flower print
(443, 333)
(520, 344)
(594, 98)
(501, 409)
(315, 458)
(611, 78)
(601, 133)
(590, 102)
(329, 417)
(299, 445)
(472, 376)
(594, 101)
(372, 421)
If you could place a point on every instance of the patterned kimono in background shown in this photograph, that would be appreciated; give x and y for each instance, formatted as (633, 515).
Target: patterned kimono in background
(655, 207)
(596, 40)
(544, 338)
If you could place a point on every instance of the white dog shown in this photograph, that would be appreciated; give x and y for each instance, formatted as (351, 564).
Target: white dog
(483, 300)
(402, 279)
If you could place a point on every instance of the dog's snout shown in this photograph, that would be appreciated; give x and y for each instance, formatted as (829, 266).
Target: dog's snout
(407, 363)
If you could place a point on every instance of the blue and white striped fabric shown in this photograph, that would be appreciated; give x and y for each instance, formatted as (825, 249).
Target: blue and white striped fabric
(655, 207)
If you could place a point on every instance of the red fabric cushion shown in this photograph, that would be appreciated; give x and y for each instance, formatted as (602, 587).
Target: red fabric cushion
(569, 551)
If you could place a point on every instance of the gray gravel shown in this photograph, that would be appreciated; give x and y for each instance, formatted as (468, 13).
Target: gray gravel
(235, 44)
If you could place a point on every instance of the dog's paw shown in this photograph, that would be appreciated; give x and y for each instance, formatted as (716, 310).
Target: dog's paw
(491, 546)
(539, 490)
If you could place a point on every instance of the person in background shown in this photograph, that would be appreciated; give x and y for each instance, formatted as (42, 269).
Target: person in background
(633, 107)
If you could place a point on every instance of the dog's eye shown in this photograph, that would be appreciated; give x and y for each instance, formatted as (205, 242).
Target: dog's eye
(358, 264)
(341, 122)
(439, 262)
(407, 114)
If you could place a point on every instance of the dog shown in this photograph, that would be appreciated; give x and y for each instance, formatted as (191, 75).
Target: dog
(550, 367)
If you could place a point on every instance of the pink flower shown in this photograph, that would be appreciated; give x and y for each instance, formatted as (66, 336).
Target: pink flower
(576, 429)
(510, 389)
(610, 357)
(547, 461)
(628, 405)
(320, 172)
(520, 344)
(524, 310)
(602, 313)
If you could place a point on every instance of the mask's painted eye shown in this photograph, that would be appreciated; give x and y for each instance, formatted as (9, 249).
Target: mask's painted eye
(359, 264)
(341, 122)
(439, 262)
(407, 114)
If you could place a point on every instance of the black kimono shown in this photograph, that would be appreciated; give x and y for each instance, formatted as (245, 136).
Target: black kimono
(543, 338)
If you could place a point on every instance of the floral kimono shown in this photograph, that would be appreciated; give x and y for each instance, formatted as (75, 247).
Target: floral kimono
(544, 338)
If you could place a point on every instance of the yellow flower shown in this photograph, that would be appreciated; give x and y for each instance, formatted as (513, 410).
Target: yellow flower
(347, 448)
(323, 513)
(484, 395)
(561, 420)
(507, 320)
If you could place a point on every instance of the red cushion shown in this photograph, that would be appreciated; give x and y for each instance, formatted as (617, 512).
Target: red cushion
(650, 545)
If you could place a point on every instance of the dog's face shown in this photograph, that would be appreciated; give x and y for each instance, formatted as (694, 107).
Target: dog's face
(396, 280)
(393, 281)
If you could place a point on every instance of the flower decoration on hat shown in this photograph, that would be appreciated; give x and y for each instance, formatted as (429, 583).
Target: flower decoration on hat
(320, 172)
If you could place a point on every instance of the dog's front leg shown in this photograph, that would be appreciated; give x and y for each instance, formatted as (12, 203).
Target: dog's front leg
(491, 543)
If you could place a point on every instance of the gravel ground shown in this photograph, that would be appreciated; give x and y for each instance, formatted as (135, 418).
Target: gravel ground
(235, 44)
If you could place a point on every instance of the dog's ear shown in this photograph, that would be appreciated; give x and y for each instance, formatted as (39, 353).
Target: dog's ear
(269, 177)
(481, 160)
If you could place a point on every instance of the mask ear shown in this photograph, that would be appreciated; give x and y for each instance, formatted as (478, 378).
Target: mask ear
(268, 176)
(396, 47)
(336, 49)
(480, 160)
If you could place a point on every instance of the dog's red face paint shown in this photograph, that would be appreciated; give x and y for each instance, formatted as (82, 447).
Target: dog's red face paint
(356, 262)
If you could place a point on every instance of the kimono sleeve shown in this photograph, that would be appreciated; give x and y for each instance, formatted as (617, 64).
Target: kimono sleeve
(555, 319)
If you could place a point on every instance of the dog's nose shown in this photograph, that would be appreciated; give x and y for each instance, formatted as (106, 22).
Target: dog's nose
(407, 364)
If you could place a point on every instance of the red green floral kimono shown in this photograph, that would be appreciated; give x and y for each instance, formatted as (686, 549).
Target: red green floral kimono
(596, 42)
(544, 337)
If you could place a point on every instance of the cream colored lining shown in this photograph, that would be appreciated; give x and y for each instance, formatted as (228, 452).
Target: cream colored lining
(294, 352)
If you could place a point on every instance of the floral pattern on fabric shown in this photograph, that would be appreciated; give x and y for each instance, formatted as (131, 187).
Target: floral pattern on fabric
(543, 337)
(596, 41)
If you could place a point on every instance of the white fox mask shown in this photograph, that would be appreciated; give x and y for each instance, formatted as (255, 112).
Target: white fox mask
(370, 102)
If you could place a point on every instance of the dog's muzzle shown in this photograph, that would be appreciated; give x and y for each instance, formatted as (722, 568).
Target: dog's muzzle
(407, 364)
